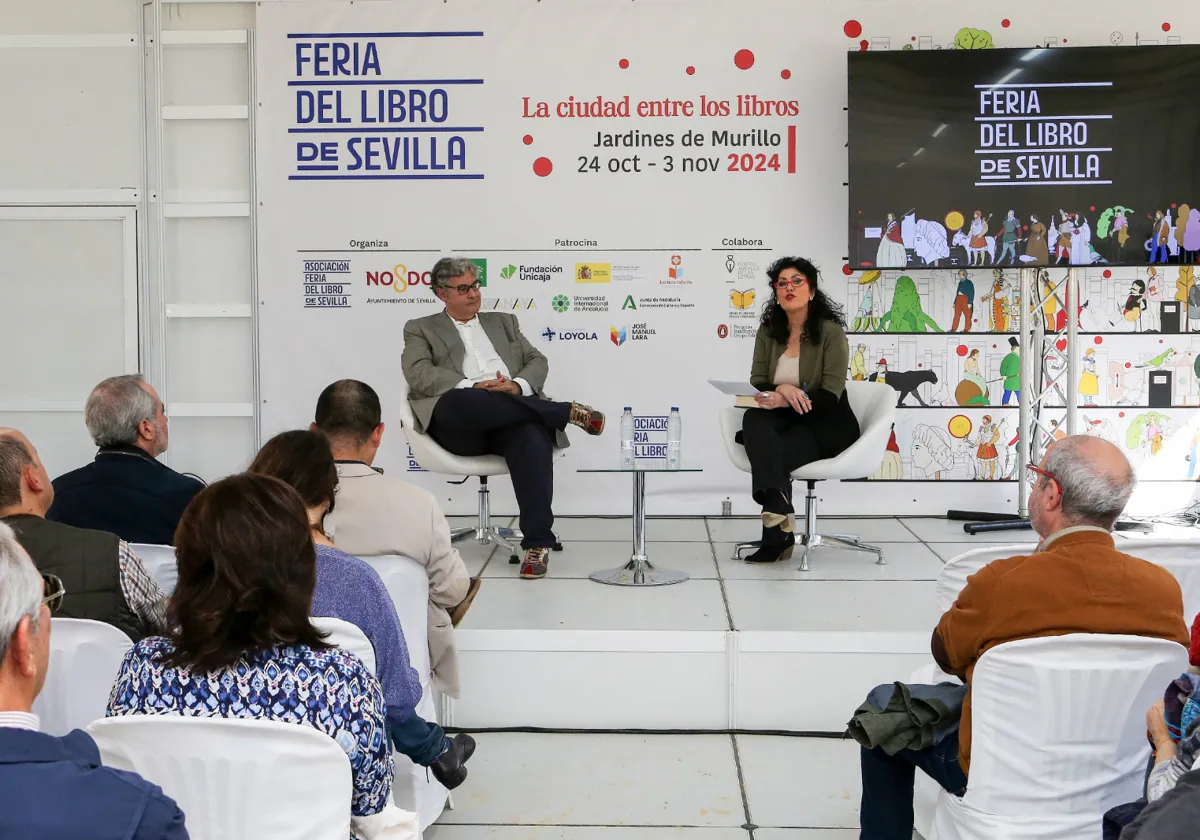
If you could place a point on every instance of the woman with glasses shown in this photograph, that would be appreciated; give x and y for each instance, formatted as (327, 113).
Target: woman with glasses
(243, 644)
(800, 360)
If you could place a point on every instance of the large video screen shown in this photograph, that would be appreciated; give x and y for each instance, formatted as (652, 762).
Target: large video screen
(1068, 156)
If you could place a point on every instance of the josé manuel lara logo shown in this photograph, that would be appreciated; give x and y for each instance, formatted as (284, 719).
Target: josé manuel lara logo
(633, 332)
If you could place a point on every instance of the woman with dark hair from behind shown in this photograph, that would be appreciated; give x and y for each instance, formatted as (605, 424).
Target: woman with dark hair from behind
(243, 645)
(800, 359)
(349, 589)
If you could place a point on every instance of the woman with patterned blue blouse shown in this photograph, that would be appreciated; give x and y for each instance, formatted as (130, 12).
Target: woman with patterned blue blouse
(244, 646)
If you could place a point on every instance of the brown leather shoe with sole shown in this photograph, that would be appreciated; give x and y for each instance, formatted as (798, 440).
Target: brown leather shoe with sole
(587, 418)
(459, 611)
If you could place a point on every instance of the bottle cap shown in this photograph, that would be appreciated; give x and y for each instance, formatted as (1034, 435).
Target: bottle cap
(627, 408)
(674, 408)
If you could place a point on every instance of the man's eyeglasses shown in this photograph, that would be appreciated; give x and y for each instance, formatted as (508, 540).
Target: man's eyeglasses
(462, 290)
(794, 282)
(1045, 474)
(53, 592)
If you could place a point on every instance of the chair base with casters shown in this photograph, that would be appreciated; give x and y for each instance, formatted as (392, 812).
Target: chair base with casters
(485, 533)
(811, 538)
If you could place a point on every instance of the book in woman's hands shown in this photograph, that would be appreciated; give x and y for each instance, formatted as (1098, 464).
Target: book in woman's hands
(742, 392)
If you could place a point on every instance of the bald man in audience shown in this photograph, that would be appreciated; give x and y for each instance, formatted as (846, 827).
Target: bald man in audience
(105, 579)
(1076, 581)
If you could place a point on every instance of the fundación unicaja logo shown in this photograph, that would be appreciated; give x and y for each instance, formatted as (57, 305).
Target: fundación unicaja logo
(508, 271)
(560, 303)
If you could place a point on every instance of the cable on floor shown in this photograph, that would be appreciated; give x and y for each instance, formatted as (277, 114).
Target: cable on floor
(550, 730)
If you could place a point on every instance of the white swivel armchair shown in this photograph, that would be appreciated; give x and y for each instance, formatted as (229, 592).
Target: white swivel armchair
(85, 657)
(159, 561)
(436, 459)
(874, 405)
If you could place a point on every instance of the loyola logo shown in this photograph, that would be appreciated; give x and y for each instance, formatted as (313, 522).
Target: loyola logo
(508, 271)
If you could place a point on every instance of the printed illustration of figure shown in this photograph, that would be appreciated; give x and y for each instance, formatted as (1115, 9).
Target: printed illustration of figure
(964, 302)
(858, 363)
(999, 298)
(932, 454)
(1160, 237)
(1154, 433)
(1101, 429)
(1135, 304)
(891, 246)
(1089, 382)
(1010, 369)
(1188, 294)
(986, 453)
(930, 241)
(1191, 237)
(1008, 239)
(972, 390)
(1036, 249)
(1081, 235)
(867, 318)
(1158, 361)
(1152, 306)
(1049, 300)
(1066, 229)
(881, 371)
(906, 314)
(1149, 431)
(1191, 458)
(976, 240)
(892, 466)
(1056, 433)
(1120, 230)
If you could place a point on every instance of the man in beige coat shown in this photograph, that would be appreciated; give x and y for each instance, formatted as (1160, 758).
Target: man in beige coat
(378, 515)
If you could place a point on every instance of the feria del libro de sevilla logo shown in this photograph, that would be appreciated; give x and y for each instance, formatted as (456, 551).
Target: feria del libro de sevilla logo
(401, 278)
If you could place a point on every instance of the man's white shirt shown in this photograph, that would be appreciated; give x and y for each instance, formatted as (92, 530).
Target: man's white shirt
(481, 361)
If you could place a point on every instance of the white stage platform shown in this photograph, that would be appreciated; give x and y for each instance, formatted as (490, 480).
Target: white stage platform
(738, 646)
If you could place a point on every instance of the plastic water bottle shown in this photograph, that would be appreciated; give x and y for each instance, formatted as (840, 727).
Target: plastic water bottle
(674, 434)
(627, 439)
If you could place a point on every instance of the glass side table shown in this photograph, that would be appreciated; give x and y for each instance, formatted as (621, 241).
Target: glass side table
(638, 571)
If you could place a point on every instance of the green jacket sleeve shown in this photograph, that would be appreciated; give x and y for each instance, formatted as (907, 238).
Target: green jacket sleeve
(760, 367)
(835, 359)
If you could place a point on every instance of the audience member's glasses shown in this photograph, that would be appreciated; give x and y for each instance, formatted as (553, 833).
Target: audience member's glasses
(462, 290)
(794, 282)
(1042, 472)
(52, 592)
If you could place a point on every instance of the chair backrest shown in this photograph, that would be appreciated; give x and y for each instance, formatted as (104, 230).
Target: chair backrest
(408, 585)
(1059, 724)
(237, 778)
(874, 405)
(953, 576)
(345, 635)
(159, 561)
(85, 657)
(1179, 557)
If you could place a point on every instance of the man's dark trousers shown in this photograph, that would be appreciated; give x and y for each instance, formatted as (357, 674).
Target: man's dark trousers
(476, 421)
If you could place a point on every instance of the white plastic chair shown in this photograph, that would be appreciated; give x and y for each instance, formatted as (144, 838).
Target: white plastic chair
(159, 561)
(85, 657)
(343, 634)
(237, 778)
(434, 458)
(874, 406)
(1058, 735)
(1181, 558)
(408, 584)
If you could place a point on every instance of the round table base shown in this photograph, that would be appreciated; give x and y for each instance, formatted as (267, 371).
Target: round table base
(638, 572)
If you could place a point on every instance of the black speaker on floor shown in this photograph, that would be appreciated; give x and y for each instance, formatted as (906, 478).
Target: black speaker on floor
(1160, 388)
(1170, 316)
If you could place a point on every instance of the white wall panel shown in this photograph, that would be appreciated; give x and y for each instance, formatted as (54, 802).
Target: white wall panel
(208, 261)
(210, 360)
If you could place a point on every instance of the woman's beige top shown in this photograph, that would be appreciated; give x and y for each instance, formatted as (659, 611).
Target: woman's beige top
(821, 366)
(787, 371)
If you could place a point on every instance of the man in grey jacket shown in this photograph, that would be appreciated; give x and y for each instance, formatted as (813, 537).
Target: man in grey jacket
(475, 385)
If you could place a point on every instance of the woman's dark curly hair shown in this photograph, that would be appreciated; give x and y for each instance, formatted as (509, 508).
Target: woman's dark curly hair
(820, 308)
(247, 568)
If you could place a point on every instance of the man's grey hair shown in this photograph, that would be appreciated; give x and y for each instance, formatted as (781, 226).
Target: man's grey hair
(14, 458)
(20, 588)
(1091, 496)
(116, 408)
(448, 267)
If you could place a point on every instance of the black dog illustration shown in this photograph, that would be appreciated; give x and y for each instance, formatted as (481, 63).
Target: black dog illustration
(906, 382)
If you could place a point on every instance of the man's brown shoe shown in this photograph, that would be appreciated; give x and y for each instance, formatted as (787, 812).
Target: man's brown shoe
(534, 564)
(587, 418)
(459, 611)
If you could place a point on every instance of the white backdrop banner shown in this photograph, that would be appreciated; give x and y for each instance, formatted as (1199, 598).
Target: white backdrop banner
(623, 173)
